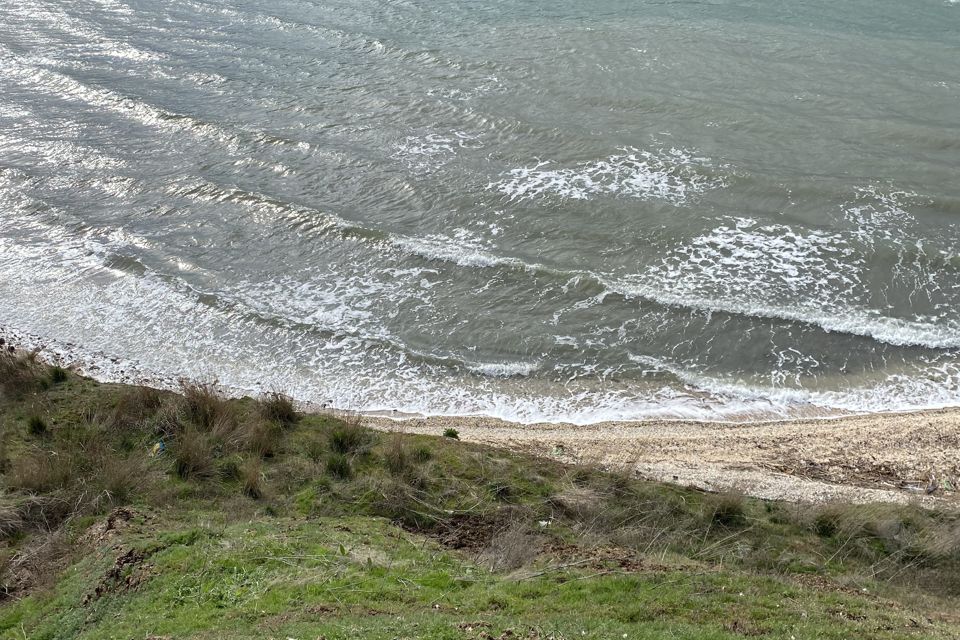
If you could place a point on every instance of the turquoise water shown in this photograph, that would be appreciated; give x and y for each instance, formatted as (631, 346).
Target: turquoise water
(537, 211)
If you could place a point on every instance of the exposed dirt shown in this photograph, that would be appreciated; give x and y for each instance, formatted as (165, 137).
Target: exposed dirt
(128, 572)
(130, 568)
(111, 527)
(468, 532)
(479, 631)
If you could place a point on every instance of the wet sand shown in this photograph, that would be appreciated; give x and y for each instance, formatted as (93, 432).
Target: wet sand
(909, 457)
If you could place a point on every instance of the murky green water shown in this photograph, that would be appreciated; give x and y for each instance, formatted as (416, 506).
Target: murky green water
(562, 211)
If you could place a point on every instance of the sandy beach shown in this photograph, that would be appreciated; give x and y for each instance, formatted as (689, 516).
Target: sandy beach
(911, 457)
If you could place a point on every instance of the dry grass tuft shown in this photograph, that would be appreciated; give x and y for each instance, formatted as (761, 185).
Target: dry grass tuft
(37, 564)
(19, 375)
(338, 466)
(579, 503)
(396, 458)
(135, 407)
(169, 420)
(205, 407)
(726, 509)
(40, 471)
(314, 446)
(122, 478)
(262, 437)
(888, 536)
(350, 438)
(251, 478)
(193, 455)
(11, 520)
(279, 407)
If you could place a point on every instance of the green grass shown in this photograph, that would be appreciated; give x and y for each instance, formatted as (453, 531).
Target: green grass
(257, 522)
(357, 576)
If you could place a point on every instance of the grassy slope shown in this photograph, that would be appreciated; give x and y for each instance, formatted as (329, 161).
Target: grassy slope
(356, 534)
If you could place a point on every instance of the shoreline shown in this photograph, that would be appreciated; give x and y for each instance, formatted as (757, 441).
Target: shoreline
(910, 456)
(884, 457)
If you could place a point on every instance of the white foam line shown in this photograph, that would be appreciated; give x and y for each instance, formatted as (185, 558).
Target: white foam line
(892, 331)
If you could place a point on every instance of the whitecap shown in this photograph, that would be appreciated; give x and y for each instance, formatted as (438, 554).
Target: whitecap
(673, 175)
(503, 369)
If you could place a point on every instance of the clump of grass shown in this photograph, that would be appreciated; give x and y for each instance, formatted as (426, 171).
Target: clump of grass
(58, 375)
(169, 421)
(121, 478)
(251, 478)
(827, 521)
(18, 375)
(726, 509)
(37, 426)
(225, 426)
(228, 468)
(193, 455)
(135, 406)
(37, 564)
(11, 521)
(279, 407)
(403, 463)
(41, 471)
(579, 503)
(893, 539)
(396, 458)
(206, 407)
(338, 466)
(349, 438)
(450, 432)
(262, 438)
(395, 501)
(314, 446)
(421, 453)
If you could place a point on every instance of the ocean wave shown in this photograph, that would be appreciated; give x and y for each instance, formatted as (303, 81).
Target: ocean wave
(143, 310)
(672, 175)
(703, 399)
(87, 35)
(62, 85)
(58, 153)
(747, 268)
(485, 85)
(739, 297)
(731, 272)
(462, 248)
(341, 39)
(503, 369)
(933, 383)
(737, 268)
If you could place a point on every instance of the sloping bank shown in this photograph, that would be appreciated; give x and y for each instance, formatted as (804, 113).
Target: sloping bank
(128, 512)
(902, 458)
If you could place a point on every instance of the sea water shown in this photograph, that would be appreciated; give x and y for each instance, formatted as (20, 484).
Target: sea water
(573, 211)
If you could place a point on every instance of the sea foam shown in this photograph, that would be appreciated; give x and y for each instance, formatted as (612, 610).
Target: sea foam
(673, 175)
